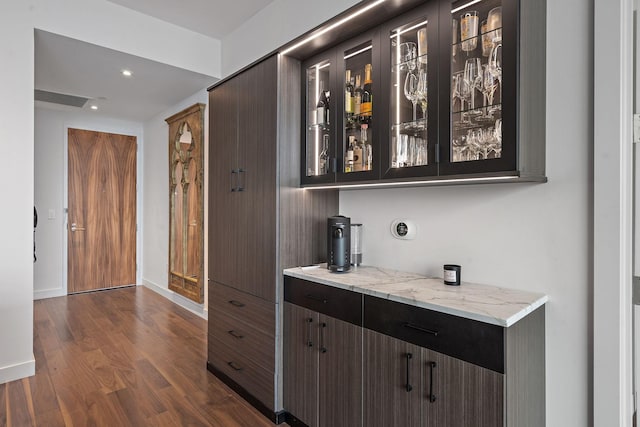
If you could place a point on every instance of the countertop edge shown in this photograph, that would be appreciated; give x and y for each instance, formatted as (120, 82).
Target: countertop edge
(511, 320)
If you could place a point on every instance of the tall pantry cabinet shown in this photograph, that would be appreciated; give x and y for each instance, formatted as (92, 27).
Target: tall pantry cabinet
(259, 223)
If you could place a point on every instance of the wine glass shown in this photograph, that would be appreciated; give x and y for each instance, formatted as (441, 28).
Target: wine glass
(469, 30)
(408, 55)
(489, 86)
(494, 24)
(495, 64)
(410, 91)
(497, 135)
(472, 81)
(421, 91)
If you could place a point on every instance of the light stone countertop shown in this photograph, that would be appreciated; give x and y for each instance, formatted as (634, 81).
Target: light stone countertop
(489, 304)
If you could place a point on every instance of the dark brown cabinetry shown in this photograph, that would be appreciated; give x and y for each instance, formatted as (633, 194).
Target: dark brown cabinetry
(259, 223)
(458, 95)
(322, 357)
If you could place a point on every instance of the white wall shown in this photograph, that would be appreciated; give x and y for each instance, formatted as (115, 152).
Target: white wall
(95, 21)
(275, 25)
(534, 237)
(155, 246)
(49, 278)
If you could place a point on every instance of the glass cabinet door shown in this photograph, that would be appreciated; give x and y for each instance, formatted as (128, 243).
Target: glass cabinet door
(319, 121)
(412, 85)
(358, 152)
(480, 99)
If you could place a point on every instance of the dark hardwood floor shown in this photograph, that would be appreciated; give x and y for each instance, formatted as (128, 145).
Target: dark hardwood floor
(123, 357)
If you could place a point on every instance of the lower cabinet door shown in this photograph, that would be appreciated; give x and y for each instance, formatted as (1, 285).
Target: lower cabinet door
(300, 355)
(460, 394)
(392, 381)
(340, 373)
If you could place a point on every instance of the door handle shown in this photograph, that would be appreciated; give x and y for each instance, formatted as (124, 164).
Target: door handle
(431, 396)
(408, 387)
(74, 227)
(241, 179)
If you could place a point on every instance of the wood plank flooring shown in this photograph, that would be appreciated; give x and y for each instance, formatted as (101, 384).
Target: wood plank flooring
(123, 357)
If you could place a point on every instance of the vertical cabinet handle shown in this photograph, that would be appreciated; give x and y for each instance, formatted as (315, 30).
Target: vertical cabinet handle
(241, 179)
(233, 180)
(409, 356)
(323, 349)
(309, 322)
(432, 396)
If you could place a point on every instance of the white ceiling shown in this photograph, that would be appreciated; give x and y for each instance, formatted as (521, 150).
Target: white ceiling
(72, 67)
(213, 18)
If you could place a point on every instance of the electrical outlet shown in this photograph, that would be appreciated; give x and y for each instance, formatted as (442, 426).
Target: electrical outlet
(403, 229)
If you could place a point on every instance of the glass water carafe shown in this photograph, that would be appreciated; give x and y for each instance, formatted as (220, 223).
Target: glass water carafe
(476, 81)
(409, 93)
(318, 121)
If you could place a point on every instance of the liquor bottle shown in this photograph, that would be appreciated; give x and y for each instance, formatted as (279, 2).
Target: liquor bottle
(327, 103)
(357, 98)
(367, 154)
(348, 161)
(366, 106)
(321, 114)
(323, 159)
(358, 156)
(348, 96)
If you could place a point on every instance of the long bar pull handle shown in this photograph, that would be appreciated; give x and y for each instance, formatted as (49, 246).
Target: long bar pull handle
(315, 298)
(432, 397)
(234, 180)
(234, 366)
(241, 179)
(409, 387)
(323, 349)
(309, 322)
(420, 328)
(235, 334)
(236, 303)
(74, 227)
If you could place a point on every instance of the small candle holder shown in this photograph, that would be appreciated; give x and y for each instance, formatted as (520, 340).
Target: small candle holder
(452, 274)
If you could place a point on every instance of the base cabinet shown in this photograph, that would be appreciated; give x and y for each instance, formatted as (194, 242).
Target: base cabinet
(323, 369)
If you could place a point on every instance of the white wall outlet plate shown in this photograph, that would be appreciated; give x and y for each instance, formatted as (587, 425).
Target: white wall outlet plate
(404, 229)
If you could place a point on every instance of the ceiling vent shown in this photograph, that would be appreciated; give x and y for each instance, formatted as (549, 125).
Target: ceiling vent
(60, 98)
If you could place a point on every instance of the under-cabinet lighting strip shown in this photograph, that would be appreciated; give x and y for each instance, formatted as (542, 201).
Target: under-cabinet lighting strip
(409, 29)
(331, 27)
(457, 9)
(358, 52)
(410, 183)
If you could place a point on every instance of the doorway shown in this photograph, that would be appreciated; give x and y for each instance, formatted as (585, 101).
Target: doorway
(101, 221)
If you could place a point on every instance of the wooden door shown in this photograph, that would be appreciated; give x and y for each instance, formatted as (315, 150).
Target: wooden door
(392, 381)
(223, 200)
(300, 376)
(102, 210)
(460, 394)
(340, 373)
(257, 164)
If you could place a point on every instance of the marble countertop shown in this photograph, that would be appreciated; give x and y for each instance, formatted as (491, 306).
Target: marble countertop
(489, 304)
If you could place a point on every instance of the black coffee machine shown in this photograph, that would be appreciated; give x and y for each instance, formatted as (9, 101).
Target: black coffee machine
(339, 243)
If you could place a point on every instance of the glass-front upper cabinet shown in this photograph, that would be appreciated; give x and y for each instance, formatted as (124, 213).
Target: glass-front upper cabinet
(319, 114)
(412, 89)
(359, 157)
(482, 96)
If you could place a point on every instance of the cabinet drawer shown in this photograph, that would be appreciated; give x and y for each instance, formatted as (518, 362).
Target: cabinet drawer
(229, 302)
(476, 342)
(335, 302)
(256, 380)
(244, 338)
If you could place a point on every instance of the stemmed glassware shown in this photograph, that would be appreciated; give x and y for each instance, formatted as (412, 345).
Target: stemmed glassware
(421, 91)
(411, 91)
(495, 64)
(472, 81)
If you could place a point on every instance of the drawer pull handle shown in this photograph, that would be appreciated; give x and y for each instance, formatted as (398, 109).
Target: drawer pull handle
(323, 349)
(420, 328)
(409, 387)
(235, 334)
(234, 366)
(236, 303)
(309, 342)
(432, 397)
(315, 298)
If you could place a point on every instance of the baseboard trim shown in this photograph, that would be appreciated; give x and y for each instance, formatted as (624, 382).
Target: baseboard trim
(49, 293)
(187, 304)
(18, 371)
(275, 417)
(293, 421)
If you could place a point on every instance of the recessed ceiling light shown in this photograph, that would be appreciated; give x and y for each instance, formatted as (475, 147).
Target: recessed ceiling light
(94, 107)
(127, 73)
